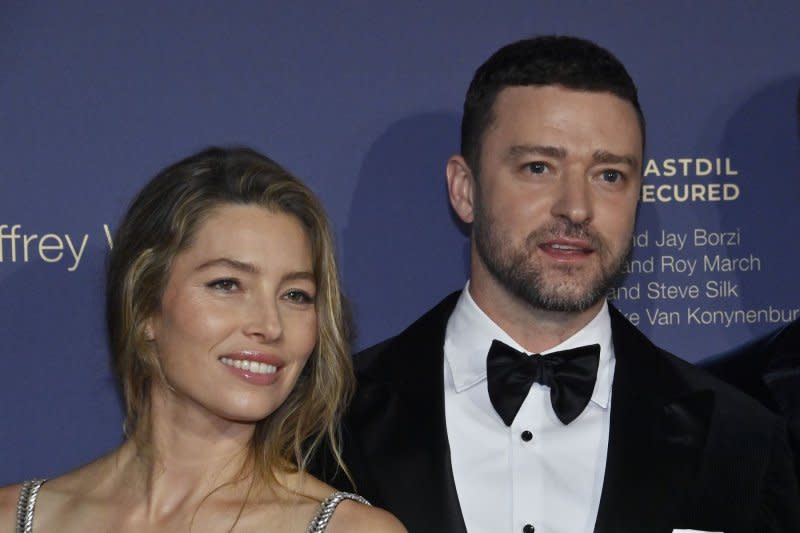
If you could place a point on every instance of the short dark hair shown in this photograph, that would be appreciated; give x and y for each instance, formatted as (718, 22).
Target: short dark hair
(570, 62)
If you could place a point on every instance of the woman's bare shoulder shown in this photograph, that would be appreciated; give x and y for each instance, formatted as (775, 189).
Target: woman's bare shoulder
(354, 517)
(56, 496)
(351, 516)
(9, 496)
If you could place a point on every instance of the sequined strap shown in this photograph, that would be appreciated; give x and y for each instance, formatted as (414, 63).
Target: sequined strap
(26, 503)
(326, 509)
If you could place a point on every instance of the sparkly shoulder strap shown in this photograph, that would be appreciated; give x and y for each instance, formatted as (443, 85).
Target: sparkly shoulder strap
(326, 509)
(26, 503)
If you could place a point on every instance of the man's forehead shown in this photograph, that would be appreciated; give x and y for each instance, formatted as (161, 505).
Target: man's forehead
(553, 93)
(521, 106)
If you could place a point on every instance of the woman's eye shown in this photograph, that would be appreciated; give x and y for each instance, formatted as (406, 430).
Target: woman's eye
(537, 167)
(225, 284)
(300, 297)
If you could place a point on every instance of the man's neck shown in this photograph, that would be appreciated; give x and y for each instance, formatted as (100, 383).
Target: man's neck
(537, 330)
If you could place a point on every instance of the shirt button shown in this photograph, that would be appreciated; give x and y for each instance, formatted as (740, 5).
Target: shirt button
(527, 436)
(528, 529)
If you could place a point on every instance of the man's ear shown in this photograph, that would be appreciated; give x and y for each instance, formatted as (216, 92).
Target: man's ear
(460, 188)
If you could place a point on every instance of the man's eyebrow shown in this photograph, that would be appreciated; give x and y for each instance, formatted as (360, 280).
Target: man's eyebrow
(602, 156)
(520, 150)
(232, 263)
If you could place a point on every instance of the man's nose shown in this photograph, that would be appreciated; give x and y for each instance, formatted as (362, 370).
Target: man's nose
(573, 200)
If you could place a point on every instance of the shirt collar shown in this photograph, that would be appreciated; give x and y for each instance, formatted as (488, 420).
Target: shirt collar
(470, 333)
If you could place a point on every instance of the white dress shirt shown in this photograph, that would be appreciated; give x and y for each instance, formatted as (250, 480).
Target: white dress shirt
(537, 472)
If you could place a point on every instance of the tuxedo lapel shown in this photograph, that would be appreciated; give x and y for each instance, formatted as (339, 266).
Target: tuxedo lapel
(656, 438)
(400, 422)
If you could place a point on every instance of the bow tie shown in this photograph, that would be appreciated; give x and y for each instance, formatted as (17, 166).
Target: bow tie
(570, 374)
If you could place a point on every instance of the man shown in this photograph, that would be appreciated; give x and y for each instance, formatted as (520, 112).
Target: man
(451, 439)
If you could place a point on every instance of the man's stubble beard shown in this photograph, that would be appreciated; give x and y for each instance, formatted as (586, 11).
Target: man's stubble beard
(521, 274)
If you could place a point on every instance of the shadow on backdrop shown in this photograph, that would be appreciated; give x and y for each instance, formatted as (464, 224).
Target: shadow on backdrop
(765, 132)
(403, 248)
(765, 136)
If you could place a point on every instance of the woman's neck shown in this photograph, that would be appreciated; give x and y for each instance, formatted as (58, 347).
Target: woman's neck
(189, 454)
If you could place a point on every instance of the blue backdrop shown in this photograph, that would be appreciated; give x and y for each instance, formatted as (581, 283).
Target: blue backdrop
(363, 100)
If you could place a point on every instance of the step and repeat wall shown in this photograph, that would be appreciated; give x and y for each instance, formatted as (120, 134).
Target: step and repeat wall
(363, 100)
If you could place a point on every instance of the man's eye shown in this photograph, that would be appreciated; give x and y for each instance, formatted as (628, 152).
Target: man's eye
(537, 167)
(612, 176)
(300, 297)
(225, 284)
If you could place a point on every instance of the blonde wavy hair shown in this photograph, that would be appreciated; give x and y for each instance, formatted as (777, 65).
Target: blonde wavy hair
(160, 223)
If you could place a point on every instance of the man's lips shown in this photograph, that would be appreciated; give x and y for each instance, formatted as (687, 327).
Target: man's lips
(567, 249)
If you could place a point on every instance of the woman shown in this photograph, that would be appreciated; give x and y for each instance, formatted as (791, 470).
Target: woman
(227, 336)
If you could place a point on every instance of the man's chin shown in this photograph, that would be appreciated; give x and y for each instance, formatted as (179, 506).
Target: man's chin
(566, 298)
(563, 305)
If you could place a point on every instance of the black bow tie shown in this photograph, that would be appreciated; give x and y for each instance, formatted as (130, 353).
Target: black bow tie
(570, 374)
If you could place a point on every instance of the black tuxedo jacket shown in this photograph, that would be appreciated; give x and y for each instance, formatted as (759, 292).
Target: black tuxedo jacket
(768, 369)
(685, 450)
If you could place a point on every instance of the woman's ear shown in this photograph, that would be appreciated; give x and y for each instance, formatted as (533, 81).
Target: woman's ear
(149, 336)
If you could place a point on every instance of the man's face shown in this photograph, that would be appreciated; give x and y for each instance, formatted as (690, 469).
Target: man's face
(555, 200)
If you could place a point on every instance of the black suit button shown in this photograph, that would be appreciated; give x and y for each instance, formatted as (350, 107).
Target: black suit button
(527, 436)
(528, 529)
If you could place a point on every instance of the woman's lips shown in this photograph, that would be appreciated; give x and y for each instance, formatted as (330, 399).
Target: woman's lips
(254, 367)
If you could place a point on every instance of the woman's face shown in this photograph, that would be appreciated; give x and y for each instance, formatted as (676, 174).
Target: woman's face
(238, 318)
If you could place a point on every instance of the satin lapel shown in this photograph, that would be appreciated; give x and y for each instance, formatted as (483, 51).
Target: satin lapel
(656, 438)
(400, 425)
